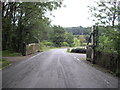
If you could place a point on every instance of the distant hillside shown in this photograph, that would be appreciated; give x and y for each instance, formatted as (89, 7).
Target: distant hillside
(78, 30)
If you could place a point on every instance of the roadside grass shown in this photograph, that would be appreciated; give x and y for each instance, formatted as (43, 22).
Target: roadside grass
(3, 63)
(0, 53)
(10, 53)
(69, 50)
(48, 48)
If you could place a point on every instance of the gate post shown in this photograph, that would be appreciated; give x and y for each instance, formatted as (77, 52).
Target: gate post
(91, 49)
(94, 43)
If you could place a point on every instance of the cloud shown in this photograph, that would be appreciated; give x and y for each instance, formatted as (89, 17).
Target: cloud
(74, 14)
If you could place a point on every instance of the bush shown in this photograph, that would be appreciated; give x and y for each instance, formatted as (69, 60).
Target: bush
(4, 62)
(84, 44)
(78, 50)
(46, 43)
(68, 50)
(10, 53)
(64, 44)
(41, 46)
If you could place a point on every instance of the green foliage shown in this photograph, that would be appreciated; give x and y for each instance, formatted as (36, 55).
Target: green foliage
(78, 30)
(82, 39)
(68, 50)
(3, 63)
(41, 44)
(45, 45)
(69, 38)
(64, 44)
(76, 42)
(25, 22)
(104, 12)
(107, 40)
(57, 36)
(48, 44)
(84, 44)
(10, 53)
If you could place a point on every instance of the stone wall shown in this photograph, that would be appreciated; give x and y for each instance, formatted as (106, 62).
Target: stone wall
(107, 60)
(32, 48)
(89, 53)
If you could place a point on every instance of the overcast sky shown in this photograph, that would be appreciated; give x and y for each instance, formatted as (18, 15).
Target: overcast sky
(74, 14)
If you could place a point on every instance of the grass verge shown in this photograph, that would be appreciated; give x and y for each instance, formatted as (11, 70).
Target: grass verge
(3, 63)
(69, 50)
(10, 53)
(47, 48)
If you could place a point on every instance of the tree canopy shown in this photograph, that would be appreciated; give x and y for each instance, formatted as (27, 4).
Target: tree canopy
(105, 12)
(106, 15)
(25, 22)
(78, 30)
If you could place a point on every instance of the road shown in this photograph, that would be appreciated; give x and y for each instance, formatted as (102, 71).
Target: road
(56, 69)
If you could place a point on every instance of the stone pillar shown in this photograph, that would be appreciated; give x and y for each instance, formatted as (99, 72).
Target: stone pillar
(94, 43)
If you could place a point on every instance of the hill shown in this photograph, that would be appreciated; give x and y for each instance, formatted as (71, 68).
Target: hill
(78, 30)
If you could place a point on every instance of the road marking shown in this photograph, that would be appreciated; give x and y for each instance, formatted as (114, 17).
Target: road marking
(75, 57)
(78, 59)
(107, 82)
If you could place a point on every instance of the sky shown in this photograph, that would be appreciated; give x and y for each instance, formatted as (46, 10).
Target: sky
(74, 14)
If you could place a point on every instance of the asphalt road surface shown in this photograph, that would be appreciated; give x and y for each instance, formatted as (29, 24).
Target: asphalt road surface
(56, 69)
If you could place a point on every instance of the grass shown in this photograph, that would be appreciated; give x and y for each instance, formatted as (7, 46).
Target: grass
(10, 53)
(0, 53)
(68, 50)
(47, 48)
(3, 63)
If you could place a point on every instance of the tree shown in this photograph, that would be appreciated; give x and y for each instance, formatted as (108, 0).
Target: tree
(69, 38)
(105, 12)
(78, 30)
(76, 42)
(25, 22)
(82, 39)
(106, 15)
(58, 35)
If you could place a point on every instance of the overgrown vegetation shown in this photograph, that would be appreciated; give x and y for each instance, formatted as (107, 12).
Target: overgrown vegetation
(106, 15)
(78, 30)
(3, 63)
(24, 23)
(107, 39)
(10, 53)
